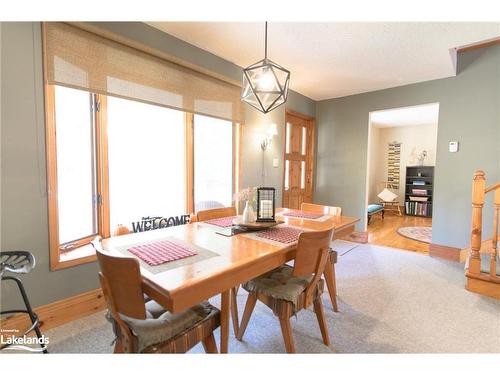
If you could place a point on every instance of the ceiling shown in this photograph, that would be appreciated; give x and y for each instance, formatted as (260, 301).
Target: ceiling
(330, 60)
(426, 114)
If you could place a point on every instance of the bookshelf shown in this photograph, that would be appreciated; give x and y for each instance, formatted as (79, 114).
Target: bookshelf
(419, 191)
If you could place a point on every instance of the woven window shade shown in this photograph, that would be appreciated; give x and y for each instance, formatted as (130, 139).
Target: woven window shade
(80, 59)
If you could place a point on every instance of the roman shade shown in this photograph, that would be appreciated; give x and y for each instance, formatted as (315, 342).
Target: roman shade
(80, 59)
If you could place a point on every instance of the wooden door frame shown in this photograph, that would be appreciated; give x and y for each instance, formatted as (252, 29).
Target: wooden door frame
(312, 123)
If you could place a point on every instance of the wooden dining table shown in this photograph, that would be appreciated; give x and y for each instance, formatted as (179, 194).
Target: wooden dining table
(238, 259)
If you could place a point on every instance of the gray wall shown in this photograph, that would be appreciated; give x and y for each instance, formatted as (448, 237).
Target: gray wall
(468, 113)
(23, 174)
(24, 198)
(256, 125)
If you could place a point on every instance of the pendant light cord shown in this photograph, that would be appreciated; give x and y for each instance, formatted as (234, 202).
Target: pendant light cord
(265, 43)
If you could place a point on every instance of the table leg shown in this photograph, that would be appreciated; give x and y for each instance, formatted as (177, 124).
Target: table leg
(329, 274)
(234, 309)
(224, 321)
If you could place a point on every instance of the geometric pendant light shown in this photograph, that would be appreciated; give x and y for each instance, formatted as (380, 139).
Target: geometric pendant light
(265, 84)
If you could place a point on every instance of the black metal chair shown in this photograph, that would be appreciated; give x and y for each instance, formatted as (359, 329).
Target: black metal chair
(20, 262)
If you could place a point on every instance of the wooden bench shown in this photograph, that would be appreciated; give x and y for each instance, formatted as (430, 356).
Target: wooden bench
(375, 209)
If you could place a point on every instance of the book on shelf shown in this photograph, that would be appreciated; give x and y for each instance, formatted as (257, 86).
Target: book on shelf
(419, 191)
(419, 199)
(418, 208)
(419, 188)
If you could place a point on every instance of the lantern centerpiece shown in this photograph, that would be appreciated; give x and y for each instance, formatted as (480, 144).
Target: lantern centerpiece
(266, 204)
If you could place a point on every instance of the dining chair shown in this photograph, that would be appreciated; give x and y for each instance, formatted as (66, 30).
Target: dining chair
(217, 213)
(146, 327)
(330, 278)
(287, 290)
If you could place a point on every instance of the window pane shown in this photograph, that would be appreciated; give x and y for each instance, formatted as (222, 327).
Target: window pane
(287, 140)
(75, 164)
(146, 151)
(287, 174)
(213, 162)
(302, 174)
(304, 140)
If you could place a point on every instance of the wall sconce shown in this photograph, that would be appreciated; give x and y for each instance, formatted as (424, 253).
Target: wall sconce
(266, 142)
(271, 132)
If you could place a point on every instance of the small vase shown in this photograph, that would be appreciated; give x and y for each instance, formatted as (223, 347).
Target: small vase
(248, 214)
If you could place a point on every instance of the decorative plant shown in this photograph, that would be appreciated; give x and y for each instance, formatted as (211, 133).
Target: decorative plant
(422, 156)
(248, 194)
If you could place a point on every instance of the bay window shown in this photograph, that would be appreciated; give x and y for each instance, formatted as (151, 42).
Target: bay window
(76, 165)
(147, 161)
(130, 134)
(113, 161)
(213, 162)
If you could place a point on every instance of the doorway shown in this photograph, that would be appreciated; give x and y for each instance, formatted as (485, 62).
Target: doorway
(402, 144)
(298, 159)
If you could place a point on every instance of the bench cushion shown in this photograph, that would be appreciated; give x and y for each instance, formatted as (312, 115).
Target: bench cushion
(279, 284)
(373, 208)
(161, 325)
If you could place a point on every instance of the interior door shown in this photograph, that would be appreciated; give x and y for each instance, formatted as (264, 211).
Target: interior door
(299, 154)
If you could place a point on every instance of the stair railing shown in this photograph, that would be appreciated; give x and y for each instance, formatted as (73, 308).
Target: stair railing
(479, 191)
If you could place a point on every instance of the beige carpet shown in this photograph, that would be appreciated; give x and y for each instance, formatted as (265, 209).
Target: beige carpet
(390, 301)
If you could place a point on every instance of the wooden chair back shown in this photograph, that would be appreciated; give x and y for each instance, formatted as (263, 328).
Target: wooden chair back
(216, 213)
(122, 283)
(311, 257)
(327, 210)
(310, 250)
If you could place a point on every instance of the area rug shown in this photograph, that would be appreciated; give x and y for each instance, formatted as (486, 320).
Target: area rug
(422, 234)
(389, 302)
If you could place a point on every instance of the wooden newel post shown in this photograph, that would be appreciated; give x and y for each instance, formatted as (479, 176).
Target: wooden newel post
(494, 251)
(478, 186)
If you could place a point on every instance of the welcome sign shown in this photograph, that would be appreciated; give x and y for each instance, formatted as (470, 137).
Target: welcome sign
(157, 222)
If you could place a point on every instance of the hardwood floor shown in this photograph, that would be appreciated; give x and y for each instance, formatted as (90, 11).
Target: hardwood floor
(384, 232)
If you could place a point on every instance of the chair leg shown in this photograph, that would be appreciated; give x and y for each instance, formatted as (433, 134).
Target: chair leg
(331, 284)
(250, 305)
(209, 344)
(320, 314)
(32, 315)
(286, 330)
(234, 309)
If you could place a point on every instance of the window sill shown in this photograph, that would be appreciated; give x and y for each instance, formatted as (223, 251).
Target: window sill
(82, 255)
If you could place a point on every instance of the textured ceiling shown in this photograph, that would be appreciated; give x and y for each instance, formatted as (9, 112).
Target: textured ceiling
(329, 60)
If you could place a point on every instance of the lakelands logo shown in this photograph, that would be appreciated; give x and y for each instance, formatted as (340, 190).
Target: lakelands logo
(7, 337)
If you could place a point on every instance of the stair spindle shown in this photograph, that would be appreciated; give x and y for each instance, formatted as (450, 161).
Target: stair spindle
(494, 251)
(478, 194)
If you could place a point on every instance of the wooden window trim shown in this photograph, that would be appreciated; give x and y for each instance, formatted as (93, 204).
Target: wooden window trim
(237, 162)
(55, 248)
(189, 126)
(102, 176)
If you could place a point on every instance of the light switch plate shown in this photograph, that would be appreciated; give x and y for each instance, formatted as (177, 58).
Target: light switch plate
(453, 146)
(276, 163)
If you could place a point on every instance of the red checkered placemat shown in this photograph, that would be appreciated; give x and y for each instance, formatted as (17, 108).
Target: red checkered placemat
(282, 234)
(224, 222)
(303, 214)
(160, 252)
